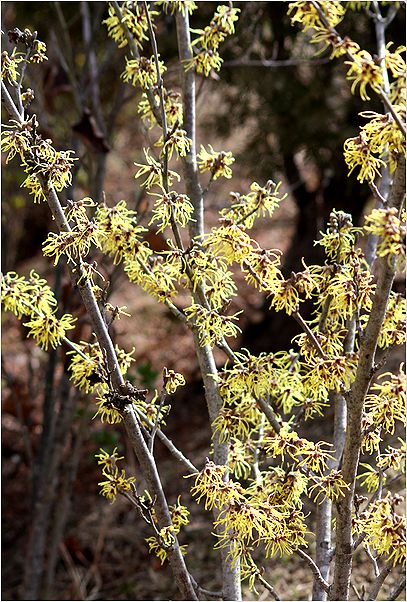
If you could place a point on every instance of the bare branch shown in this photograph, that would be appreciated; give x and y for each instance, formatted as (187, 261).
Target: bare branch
(398, 588)
(378, 582)
(316, 572)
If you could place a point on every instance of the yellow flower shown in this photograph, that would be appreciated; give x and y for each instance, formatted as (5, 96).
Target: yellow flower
(153, 171)
(331, 486)
(25, 297)
(107, 410)
(364, 71)
(371, 478)
(212, 326)
(134, 16)
(9, 66)
(394, 60)
(261, 201)
(49, 330)
(108, 461)
(16, 140)
(387, 224)
(204, 62)
(229, 241)
(121, 233)
(172, 206)
(221, 25)
(173, 6)
(142, 71)
(178, 141)
(387, 400)
(217, 162)
(307, 16)
(385, 529)
(382, 132)
(357, 152)
(172, 380)
(393, 331)
(75, 244)
(116, 482)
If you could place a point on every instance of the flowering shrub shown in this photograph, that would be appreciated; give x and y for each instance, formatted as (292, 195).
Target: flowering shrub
(263, 475)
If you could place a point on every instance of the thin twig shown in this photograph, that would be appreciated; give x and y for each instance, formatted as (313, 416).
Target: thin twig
(268, 587)
(272, 64)
(205, 592)
(353, 586)
(162, 397)
(169, 444)
(378, 582)
(324, 584)
(398, 588)
(373, 561)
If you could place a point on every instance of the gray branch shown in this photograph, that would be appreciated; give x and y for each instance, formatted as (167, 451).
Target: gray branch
(357, 394)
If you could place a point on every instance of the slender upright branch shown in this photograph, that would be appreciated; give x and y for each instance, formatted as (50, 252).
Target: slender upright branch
(323, 530)
(193, 187)
(355, 401)
(135, 53)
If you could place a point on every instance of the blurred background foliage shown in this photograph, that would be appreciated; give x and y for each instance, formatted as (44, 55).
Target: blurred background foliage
(284, 112)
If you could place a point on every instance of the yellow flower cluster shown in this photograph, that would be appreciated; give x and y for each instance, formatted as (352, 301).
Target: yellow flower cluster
(32, 297)
(332, 374)
(358, 153)
(158, 278)
(172, 104)
(74, 244)
(160, 543)
(217, 163)
(134, 17)
(173, 6)
(261, 201)
(177, 140)
(212, 327)
(307, 16)
(386, 403)
(48, 330)
(212, 274)
(209, 39)
(153, 171)
(16, 139)
(256, 516)
(170, 208)
(339, 239)
(38, 157)
(10, 65)
(385, 529)
(142, 71)
(387, 224)
(21, 295)
(229, 241)
(120, 233)
(365, 72)
(116, 480)
(393, 331)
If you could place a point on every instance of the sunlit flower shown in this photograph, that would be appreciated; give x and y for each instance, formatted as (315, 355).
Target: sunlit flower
(217, 162)
(48, 330)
